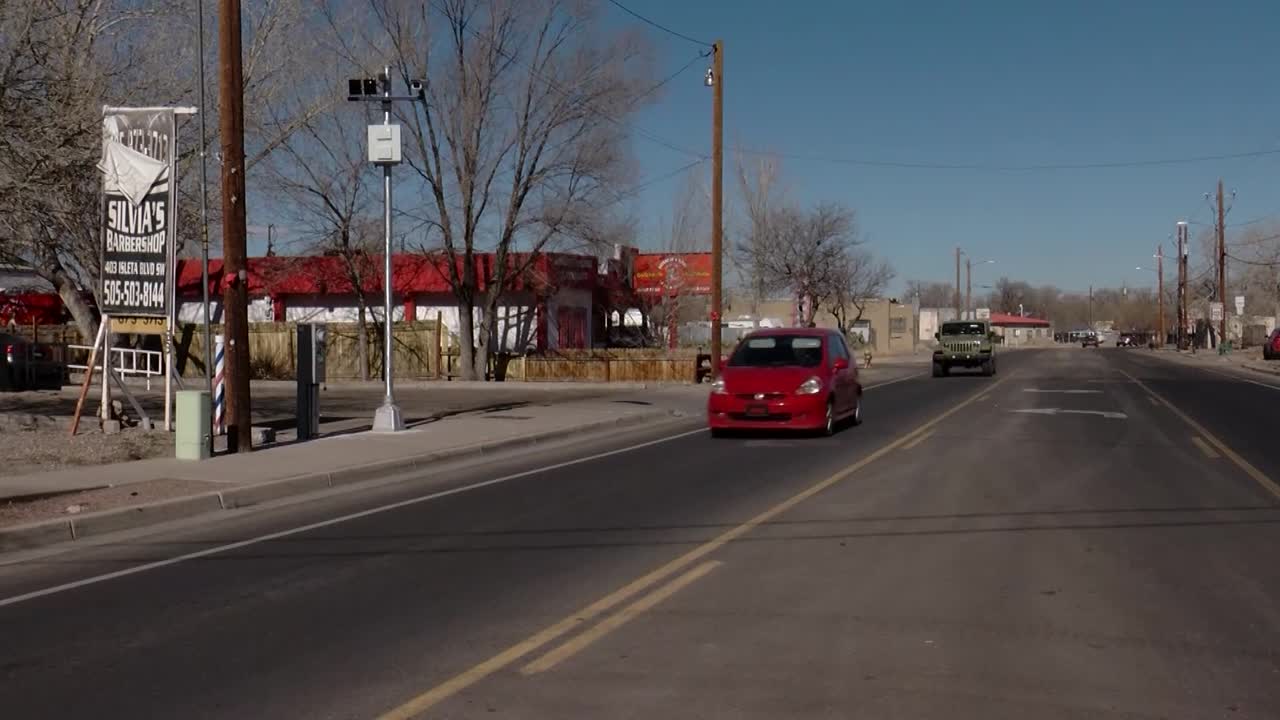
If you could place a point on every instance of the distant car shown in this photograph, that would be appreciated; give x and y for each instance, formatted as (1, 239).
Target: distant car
(28, 366)
(797, 379)
(1126, 341)
(1271, 350)
(1089, 341)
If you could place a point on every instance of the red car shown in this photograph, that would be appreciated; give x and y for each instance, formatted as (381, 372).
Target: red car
(786, 379)
(1271, 350)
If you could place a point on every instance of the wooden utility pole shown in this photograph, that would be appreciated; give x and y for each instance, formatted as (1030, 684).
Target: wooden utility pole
(1160, 291)
(968, 286)
(235, 299)
(717, 200)
(1222, 265)
(1182, 286)
(959, 315)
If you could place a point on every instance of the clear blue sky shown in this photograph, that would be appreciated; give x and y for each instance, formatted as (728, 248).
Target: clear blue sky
(990, 83)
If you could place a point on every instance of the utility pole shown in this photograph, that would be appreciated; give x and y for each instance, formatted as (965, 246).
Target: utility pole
(1182, 285)
(968, 286)
(1090, 308)
(958, 313)
(235, 300)
(1222, 265)
(1160, 290)
(717, 199)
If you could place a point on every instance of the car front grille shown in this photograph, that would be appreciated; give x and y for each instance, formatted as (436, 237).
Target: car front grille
(772, 417)
(763, 396)
(969, 346)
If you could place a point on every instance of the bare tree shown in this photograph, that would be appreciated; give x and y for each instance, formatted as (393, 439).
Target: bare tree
(520, 141)
(322, 175)
(759, 182)
(60, 62)
(861, 277)
(807, 253)
(931, 294)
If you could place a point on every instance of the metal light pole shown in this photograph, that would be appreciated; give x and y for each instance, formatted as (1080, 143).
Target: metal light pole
(204, 216)
(388, 417)
(968, 282)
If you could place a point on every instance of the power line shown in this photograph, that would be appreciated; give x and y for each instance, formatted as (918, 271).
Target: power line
(1258, 263)
(656, 24)
(1012, 168)
(651, 137)
(683, 69)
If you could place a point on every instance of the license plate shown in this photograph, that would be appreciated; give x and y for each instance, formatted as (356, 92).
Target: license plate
(758, 410)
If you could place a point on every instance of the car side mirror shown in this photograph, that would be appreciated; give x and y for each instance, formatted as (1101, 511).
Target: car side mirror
(841, 364)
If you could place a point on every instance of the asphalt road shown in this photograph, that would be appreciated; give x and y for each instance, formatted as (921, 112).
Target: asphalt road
(1055, 542)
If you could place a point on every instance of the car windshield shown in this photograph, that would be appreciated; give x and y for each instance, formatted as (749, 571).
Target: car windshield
(778, 351)
(963, 329)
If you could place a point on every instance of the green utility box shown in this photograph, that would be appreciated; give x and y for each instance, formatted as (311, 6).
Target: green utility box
(193, 424)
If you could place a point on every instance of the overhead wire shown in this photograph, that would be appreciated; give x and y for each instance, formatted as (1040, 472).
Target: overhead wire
(651, 137)
(1011, 168)
(657, 24)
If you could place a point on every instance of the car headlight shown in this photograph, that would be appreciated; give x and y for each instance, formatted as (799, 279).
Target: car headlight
(812, 386)
(717, 387)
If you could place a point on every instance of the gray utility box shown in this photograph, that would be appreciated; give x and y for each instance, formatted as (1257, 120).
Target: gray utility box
(312, 341)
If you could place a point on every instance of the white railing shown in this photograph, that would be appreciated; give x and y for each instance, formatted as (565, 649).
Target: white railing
(127, 361)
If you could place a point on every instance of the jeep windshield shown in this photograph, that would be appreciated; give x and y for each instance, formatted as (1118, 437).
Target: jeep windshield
(778, 351)
(963, 329)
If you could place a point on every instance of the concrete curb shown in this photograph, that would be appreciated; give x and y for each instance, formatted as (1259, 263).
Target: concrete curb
(53, 532)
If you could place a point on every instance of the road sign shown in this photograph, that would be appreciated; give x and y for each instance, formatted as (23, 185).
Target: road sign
(1239, 304)
(1215, 312)
(984, 313)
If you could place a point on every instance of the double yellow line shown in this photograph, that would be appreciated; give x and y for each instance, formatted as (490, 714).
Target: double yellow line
(694, 562)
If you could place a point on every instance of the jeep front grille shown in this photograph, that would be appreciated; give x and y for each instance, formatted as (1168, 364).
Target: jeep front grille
(969, 346)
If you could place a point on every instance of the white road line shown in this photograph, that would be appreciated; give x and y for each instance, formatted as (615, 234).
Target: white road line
(1060, 411)
(146, 567)
(331, 521)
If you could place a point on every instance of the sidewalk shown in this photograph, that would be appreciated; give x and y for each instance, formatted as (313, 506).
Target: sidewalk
(136, 494)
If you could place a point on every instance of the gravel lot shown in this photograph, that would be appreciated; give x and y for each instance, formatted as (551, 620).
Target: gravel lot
(27, 451)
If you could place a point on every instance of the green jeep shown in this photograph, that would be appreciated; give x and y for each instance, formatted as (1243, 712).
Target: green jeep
(964, 344)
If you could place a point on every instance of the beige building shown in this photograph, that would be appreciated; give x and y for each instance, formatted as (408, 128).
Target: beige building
(884, 325)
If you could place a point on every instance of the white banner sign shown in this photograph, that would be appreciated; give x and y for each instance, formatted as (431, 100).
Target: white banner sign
(138, 149)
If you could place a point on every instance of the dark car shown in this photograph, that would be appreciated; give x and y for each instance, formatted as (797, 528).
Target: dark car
(1090, 340)
(29, 366)
(1271, 350)
(1127, 340)
(799, 379)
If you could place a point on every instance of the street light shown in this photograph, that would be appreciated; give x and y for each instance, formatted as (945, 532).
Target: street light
(968, 283)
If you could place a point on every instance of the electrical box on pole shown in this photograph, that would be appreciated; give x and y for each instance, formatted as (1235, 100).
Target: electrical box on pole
(384, 144)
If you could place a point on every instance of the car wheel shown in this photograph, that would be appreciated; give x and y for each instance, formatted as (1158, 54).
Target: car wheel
(719, 433)
(856, 420)
(937, 369)
(829, 428)
(988, 369)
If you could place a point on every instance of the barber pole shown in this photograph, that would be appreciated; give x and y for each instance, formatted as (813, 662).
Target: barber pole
(219, 388)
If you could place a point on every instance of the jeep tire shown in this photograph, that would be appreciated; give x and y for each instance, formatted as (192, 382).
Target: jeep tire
(939, 370)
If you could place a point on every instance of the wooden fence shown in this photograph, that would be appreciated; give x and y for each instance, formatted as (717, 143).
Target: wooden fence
(273, 350)
(612, 365)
